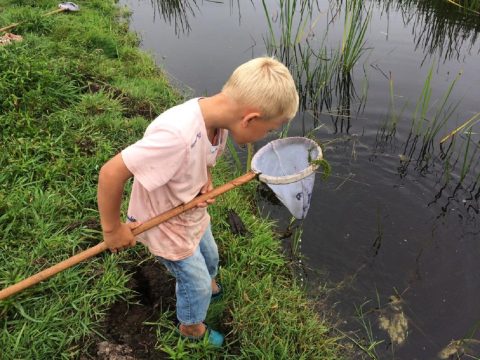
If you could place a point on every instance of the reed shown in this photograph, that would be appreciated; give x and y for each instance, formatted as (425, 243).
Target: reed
(429, 118)
(354, 29)
(390, 126)
(425, 128)
(316, 74)
(466, 125)
(292, 19)
(472, 6)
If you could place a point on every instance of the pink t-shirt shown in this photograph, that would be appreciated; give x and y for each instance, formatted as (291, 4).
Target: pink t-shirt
(169, 165)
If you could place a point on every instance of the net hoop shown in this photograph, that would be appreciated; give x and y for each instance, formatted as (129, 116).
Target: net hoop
(287, 179)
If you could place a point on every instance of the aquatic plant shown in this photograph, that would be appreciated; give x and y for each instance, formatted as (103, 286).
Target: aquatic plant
(472, 6)
(427, 122)
(315, 73)
(293, 18)
(354, 30)
(367, 343)
(466, 125)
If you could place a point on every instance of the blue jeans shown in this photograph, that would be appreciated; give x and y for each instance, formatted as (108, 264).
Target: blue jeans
(194, 276)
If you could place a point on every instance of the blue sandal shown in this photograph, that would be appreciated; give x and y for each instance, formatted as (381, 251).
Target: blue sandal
(215, 338)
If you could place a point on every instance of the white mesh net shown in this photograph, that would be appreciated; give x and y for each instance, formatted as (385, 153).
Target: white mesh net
(287, 167)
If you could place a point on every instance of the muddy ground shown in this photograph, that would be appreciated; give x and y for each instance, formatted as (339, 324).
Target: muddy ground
(126, 336)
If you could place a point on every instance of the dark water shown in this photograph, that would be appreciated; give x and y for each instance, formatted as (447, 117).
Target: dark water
(395, 230)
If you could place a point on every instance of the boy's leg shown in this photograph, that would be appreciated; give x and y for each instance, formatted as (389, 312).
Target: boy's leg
(209, 250)
(193, 292)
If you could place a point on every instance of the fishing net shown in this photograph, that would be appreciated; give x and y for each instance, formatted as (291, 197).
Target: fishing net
(68, 6)
(288, 167)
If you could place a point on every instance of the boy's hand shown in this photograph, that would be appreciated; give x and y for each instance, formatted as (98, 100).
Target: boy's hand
(206, 188)
(121, 237)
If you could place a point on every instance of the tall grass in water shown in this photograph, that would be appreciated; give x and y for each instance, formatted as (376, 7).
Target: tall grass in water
(312, 66)
(353, 39)
(322, 75)
(456, 153)
(356, 23)
(293, 18)
(427, 122)
(315, 74)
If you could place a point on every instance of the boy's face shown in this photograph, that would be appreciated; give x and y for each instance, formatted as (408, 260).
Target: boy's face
(249, 130)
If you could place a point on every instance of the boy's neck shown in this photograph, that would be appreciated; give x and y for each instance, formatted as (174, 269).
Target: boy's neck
(219, 112)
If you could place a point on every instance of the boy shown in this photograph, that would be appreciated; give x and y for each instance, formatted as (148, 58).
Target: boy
(171, 165)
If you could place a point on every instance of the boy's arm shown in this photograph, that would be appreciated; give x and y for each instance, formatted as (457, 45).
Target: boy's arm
(111, 181)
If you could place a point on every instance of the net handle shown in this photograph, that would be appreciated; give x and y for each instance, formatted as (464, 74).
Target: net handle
(99, 248)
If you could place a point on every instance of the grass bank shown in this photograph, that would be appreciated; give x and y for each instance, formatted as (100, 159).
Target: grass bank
(73, 93)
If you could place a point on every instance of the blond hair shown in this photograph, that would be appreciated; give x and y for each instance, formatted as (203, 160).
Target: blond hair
(266, 84)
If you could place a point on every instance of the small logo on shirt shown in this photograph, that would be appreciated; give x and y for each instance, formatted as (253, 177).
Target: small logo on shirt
(198, 136)
(131, 218)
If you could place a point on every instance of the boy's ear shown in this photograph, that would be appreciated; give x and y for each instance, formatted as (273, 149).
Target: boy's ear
(248, 117)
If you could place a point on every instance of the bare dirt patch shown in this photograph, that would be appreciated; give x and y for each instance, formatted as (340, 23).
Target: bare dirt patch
(126, 336)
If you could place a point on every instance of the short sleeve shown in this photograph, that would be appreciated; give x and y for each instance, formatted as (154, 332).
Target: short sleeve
(155, 158)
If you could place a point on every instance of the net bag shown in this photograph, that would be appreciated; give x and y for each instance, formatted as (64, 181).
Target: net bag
(68, 6)
(287, 167)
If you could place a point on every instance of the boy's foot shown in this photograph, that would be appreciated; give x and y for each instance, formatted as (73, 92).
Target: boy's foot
(217, 293)
(199, 331)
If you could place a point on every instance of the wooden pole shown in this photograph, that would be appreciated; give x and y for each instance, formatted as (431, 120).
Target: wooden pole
(97, 249)
(11, 26)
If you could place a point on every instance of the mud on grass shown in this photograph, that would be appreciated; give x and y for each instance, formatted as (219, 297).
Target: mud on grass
(125, 333)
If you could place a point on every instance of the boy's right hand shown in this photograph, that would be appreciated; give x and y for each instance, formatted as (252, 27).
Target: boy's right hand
(121, 237)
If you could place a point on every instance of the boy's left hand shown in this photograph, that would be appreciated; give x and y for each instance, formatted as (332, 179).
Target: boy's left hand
(206, 188)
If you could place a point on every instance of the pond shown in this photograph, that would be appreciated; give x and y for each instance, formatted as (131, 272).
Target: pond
(395, 230)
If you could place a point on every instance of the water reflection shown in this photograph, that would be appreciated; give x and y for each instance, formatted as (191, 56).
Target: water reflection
(438, 27)
(176, 13)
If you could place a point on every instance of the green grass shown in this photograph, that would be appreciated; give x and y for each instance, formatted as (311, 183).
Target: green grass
(73, 93)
